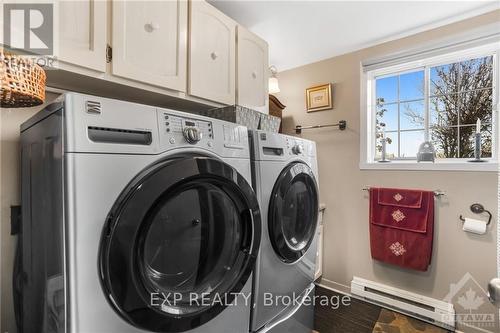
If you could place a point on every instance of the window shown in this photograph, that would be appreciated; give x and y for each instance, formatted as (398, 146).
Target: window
(400, 106)
(437, 99)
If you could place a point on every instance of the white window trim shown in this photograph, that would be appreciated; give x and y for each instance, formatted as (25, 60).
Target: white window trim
(367, 134)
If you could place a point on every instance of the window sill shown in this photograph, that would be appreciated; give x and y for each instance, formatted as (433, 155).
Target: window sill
(459, 165)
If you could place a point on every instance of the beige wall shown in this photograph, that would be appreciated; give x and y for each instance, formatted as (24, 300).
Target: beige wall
(346, 244)
(10, 120)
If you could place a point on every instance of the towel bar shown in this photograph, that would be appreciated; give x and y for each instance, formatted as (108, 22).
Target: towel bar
(342, 125)
(437, 193)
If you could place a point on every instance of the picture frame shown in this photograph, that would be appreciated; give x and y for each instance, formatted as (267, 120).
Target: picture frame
(319, 98)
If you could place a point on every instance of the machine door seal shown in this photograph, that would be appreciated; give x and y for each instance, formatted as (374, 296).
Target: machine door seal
(179, 244)
(293, 212)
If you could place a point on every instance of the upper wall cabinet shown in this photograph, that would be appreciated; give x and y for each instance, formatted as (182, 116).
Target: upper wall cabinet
(150, 42)
(212, 54)
(253, 60)
(180, 48)
(82, 33)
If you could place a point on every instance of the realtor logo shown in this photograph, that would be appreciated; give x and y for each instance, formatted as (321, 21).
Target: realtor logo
(472, 307)
(29, 28)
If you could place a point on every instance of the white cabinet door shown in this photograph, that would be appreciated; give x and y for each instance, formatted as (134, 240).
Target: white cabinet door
(82, 33)
(212, 54)
(150, 42)
(253, 78)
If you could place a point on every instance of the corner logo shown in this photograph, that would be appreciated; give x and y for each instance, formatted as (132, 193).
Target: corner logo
(472, 307)
(29, 27)
(470, 301)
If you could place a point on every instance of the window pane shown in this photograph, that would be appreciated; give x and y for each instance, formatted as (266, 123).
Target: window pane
(387, 89)
(411, 86)
(444, 79)
(460, 94)
(486, 142)
(296, 214)
(412, 115)
(387, 114)
(476, 105)
(468, 137)
(192, 249)
(476, 74)
(391, 147)
(443, 110)
(466, 142)
(410, 141)
(445, 141)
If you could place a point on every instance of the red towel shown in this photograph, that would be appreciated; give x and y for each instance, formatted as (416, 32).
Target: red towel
(402, 227)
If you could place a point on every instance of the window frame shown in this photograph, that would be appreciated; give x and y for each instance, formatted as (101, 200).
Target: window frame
(368, 120)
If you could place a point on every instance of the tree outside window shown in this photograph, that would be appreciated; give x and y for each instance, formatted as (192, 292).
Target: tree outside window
(457, 95)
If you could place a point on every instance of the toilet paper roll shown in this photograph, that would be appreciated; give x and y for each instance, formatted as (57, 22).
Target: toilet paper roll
(475, 226)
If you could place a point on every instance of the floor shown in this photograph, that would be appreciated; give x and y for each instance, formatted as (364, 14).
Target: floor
(363, 317)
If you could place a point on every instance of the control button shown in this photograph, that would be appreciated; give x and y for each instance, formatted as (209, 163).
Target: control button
(210, 144)
(166, 117)
(167, 123)
(171, 140)
(168, 130)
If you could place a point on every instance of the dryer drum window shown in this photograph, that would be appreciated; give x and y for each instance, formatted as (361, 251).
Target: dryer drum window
(293, 212)
(182, 236)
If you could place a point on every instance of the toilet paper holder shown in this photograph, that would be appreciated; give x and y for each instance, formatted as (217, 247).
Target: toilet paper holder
(477, 208)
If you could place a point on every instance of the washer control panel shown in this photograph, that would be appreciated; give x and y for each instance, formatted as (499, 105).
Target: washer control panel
(180, 130)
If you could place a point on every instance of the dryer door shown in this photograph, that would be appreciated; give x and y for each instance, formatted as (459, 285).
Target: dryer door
(293, 212)
(179, 242)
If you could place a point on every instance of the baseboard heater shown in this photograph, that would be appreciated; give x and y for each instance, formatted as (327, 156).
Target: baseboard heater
(428, 309)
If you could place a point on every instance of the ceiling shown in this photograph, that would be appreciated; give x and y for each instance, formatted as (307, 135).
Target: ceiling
(302, 32)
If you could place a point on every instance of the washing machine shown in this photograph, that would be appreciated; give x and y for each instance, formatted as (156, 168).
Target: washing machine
(135, 219)
(285, 178)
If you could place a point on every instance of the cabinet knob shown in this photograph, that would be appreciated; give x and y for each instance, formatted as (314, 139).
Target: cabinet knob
(213, 55)
(150, 27)
(254, 75)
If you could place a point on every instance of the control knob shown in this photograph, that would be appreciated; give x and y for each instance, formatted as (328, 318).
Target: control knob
(192, 134)
(297, 149)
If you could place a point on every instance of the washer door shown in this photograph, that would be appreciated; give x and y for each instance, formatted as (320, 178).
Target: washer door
(179, 242)
(293, 212)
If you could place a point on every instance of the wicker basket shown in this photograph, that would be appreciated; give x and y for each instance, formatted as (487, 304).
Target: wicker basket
(235, 114)
(22, 83)
(269, 123)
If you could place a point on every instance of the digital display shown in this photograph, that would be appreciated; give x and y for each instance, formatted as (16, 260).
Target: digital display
(190, 123)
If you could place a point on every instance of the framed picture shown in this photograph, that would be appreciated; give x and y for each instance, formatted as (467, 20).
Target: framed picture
(319, 98)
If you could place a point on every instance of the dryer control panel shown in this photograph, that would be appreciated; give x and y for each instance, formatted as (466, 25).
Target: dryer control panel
(178, 129)
(183, 129)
